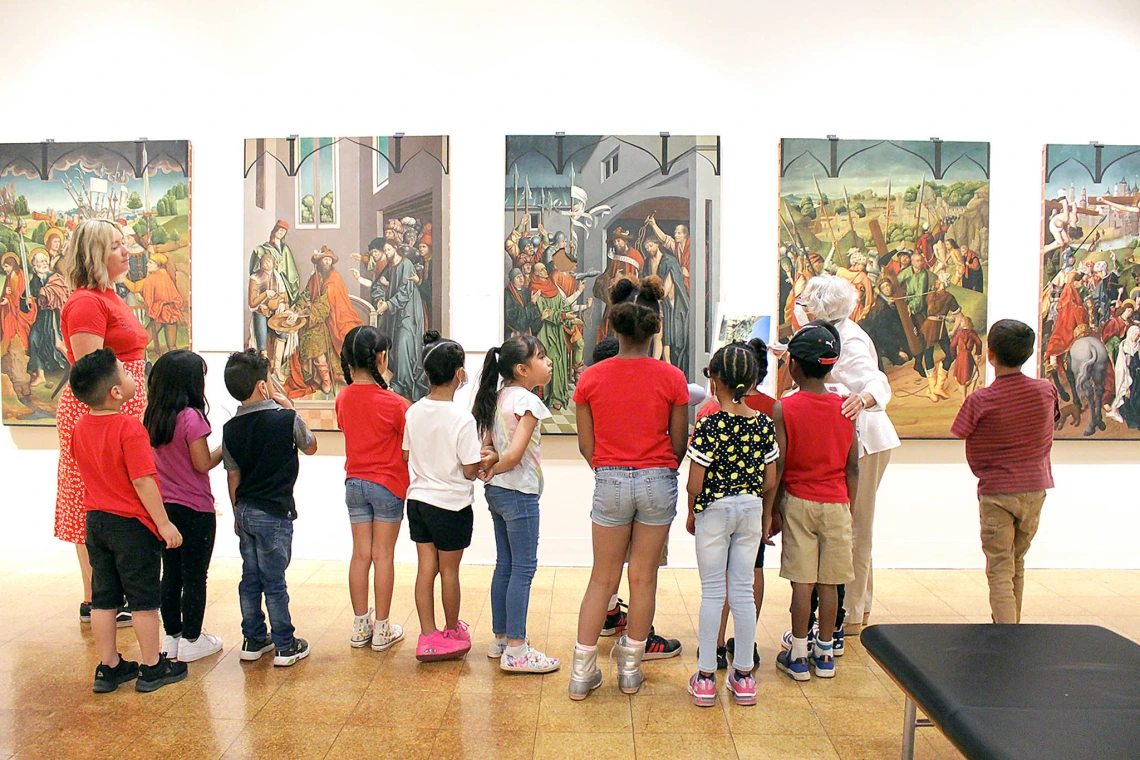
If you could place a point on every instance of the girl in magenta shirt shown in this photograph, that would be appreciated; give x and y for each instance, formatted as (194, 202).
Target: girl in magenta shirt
(633, 426)
(175, 419)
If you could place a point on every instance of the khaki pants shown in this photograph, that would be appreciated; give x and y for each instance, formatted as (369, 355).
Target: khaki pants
(857, 601)
(1009, 522)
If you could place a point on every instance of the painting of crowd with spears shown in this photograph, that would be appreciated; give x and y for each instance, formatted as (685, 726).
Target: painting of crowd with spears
(46, 190)
(1090, 287)
(583, 211)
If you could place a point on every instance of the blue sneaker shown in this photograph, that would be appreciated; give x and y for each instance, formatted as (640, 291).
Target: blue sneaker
(837, 643)
(823, 662)
(796, 669)
(786, 640)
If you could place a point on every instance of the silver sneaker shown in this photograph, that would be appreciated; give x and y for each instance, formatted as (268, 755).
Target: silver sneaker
(629, 665)
(584, 674)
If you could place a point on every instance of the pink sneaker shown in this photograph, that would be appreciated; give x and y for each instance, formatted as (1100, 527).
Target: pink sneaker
(459, 633)
(743, 688)
(441, 645)
(703, 689)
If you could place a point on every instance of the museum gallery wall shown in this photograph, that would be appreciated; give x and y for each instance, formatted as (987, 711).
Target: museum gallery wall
(46, 190)
(907, 223)
(581, 212)
(340, 232)
(1090, 286)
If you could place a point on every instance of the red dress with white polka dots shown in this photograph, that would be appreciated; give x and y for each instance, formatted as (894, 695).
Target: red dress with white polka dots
(102, 313)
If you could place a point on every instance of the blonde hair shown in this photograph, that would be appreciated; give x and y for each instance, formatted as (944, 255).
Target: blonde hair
(86, 260)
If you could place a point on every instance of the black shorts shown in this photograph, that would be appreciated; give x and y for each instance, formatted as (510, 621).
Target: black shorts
(450, 531)
(760, 556)
(126, 561)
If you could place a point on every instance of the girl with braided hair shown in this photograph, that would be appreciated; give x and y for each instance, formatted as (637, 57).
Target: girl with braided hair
(732, 485)
(372, 419)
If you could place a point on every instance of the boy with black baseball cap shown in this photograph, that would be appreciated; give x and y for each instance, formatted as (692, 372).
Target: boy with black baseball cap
(819, 465)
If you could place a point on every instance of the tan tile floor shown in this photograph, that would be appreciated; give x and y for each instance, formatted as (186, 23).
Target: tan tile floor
(354, 703)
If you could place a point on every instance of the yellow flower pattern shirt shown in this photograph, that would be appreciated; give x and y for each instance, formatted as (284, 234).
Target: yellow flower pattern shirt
(734, 450)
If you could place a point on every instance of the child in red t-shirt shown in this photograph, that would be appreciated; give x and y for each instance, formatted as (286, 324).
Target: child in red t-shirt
(127, 524)
(376, 481)
(819, 465)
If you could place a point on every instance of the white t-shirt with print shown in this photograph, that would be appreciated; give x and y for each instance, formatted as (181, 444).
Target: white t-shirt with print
(513, 403)
(440, 438)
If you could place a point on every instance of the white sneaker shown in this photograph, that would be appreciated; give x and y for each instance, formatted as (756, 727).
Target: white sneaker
(496, 648)
(531, 661)
(204, 646)
(385, 635)
(170, 646)
(362, 629)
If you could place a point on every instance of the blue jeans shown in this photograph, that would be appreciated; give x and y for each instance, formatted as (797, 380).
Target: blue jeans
(728, 536)
(626, 494)
(266, 544)
(515, 515)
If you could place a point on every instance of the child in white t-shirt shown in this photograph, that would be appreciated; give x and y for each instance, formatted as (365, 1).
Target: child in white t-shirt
(444, 457)
(508, 420)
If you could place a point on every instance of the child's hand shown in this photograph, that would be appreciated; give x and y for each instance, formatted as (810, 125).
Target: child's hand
(490, 458)
(170, 535)
(691, 524)
(236, 531)
(777, 526)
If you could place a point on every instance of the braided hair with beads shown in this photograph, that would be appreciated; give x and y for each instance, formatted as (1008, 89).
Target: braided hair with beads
(736, 366)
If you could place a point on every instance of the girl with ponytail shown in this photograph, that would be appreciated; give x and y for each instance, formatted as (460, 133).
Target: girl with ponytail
(732, 485)
(632, 428)
(372, 419)
(508, 420)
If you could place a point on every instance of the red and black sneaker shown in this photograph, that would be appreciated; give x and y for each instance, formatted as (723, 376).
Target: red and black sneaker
(616, 620)
(660, 648)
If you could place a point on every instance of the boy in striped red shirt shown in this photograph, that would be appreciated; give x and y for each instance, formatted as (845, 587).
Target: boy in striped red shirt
(1008, 429)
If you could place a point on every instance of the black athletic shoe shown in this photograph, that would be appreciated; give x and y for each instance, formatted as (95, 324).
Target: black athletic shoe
(722, 658)
(730, 652)
(108, 679)
(124, 618)
(660, 648)
(85, 612)
(164, 673)
(615, 620)
(252, 649)
(296, 652)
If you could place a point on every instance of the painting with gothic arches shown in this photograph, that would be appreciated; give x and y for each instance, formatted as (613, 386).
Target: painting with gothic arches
(582, 211)
(340, 232)
(907, 223)
(46, 190)
(1090, 288)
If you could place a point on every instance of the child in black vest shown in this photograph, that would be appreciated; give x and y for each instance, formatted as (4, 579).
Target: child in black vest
(259, 448)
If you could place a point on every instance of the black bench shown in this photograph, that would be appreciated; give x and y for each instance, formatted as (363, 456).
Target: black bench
(1016, 692)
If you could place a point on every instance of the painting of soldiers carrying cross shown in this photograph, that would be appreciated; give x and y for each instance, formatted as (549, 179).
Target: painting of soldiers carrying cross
(907, 223)
(582, 212)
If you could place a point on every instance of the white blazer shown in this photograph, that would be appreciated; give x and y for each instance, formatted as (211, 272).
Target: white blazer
(858, 370)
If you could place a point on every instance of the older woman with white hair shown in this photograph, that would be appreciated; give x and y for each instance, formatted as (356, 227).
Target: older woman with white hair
(835, 299)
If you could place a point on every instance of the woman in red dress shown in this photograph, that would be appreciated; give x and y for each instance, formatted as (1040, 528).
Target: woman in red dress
(93, 317)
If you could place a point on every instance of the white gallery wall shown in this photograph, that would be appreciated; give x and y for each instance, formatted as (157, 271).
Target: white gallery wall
(1013, 73)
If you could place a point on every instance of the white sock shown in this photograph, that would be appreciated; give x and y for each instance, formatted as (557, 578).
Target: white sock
(613, 602)
(799, 648)
(823, 648)
(365, 616)
(382, 624)
(516, 651)
(501, 639)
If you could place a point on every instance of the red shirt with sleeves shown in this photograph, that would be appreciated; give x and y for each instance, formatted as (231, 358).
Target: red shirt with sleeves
(372, 420)
(818, 442)
(111, 450)
(631, 401)
(1008, 429)
(761, 402)
(103, 313)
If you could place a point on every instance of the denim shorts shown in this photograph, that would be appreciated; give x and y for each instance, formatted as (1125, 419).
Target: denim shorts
(368, 501)
(624, 494)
